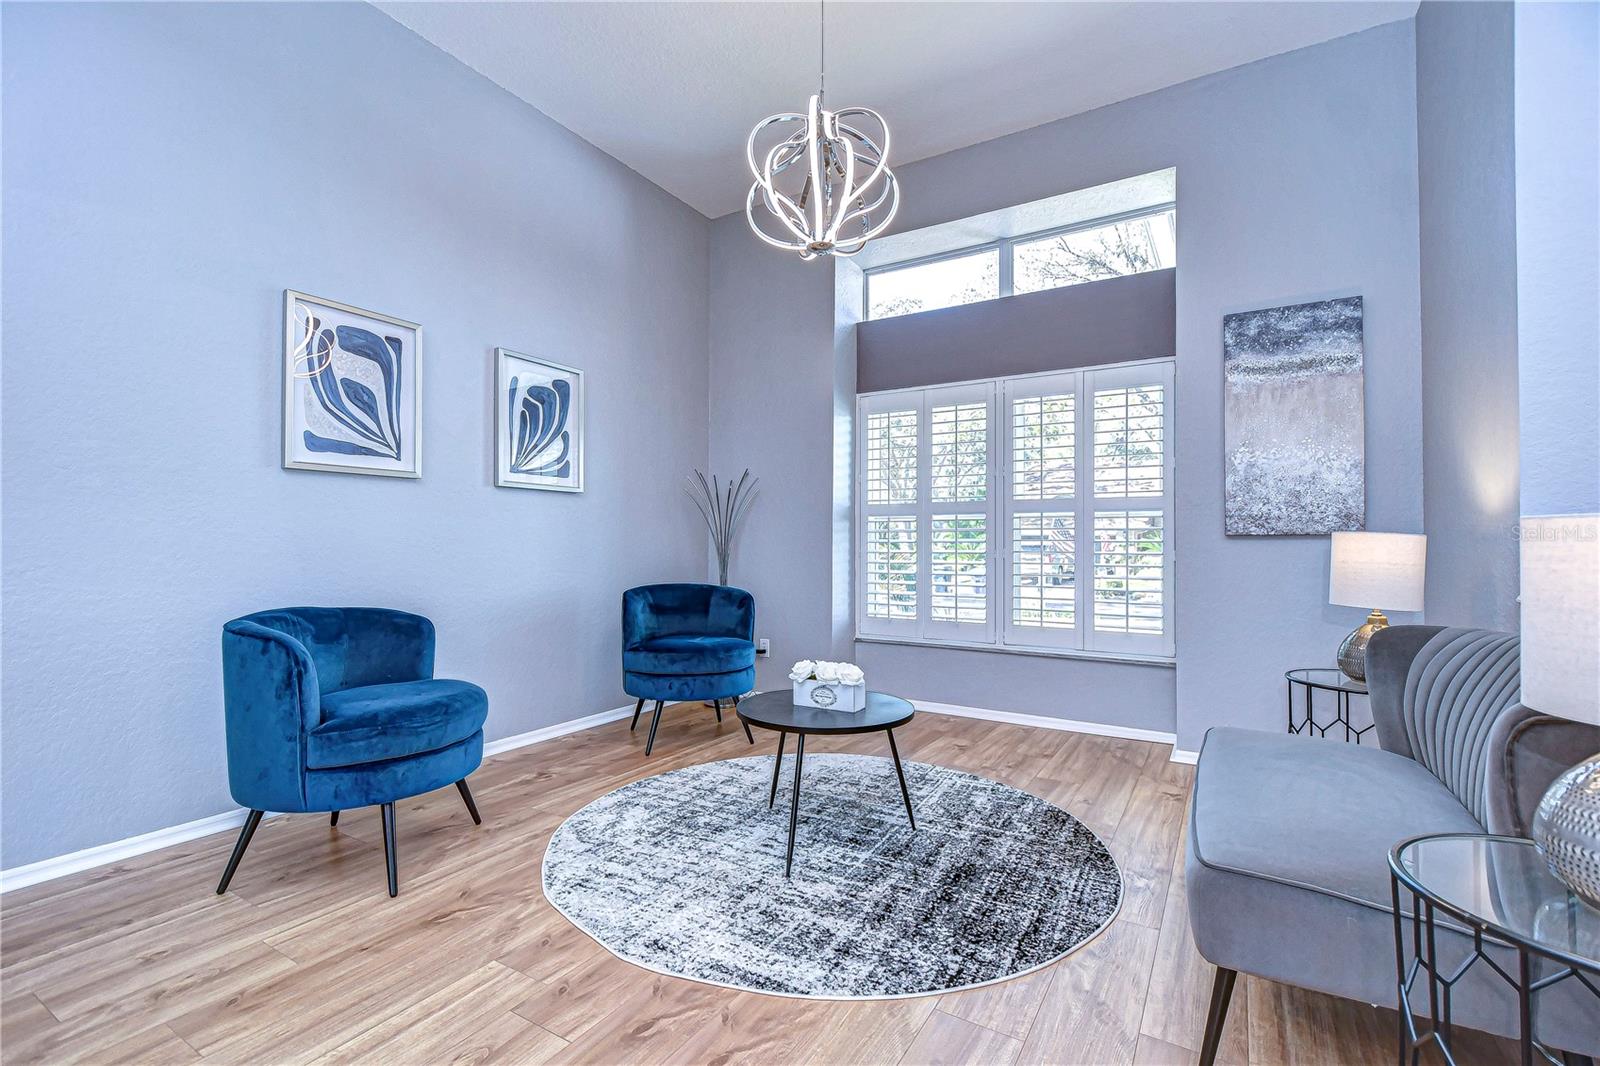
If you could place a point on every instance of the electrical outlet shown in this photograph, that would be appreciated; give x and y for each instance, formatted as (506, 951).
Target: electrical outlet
(763, 647)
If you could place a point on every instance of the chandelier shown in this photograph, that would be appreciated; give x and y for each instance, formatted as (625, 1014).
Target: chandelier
(827, 188)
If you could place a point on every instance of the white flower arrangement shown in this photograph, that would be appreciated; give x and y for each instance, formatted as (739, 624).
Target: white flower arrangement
(830, 685)
(822, 670)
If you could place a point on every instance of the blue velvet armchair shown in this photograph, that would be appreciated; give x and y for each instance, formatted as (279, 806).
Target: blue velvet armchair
(687, 642)
(331, 708)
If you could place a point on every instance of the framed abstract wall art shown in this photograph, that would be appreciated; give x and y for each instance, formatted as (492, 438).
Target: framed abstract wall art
(539, 423)
(1293, 421)
(352, 389)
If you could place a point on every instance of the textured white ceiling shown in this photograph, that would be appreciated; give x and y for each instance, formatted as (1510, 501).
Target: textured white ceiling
(672, 89)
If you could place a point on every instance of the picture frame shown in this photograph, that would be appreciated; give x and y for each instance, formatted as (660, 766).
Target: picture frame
(352, 389)
(539, 423)
(1294, 427)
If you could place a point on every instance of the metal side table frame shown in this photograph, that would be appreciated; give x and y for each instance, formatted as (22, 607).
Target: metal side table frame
(1425, 905)
(1315, 679)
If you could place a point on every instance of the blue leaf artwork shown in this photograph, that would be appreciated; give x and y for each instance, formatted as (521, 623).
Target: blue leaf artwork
(541, 444)
(374, 427)
(539, 423)
(350, 400)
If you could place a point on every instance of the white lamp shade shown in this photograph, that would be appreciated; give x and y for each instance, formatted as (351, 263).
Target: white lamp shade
(1561, 615)
(1378, 571)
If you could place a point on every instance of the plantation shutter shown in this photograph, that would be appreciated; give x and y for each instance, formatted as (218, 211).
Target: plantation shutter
(1128, 508)
(890, 552)
(1033, 512)
(957, 512)
(1042, 504)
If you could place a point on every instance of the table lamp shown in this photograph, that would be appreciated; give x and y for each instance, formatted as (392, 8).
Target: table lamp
(1374, 570)
(1561, 677)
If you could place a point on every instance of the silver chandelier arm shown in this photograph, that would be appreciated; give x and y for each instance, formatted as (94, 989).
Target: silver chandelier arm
(846, 181)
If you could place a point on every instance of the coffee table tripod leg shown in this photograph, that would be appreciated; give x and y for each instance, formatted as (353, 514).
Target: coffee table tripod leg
(905, 793)
(777, 763)
(794, 807)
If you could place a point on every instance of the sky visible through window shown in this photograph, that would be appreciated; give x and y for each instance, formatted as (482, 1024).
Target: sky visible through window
(1088, 253)
(928, 286)
(1131, 246)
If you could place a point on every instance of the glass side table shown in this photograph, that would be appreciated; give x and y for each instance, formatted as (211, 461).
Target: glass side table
(1502, 893)
(1325, 680)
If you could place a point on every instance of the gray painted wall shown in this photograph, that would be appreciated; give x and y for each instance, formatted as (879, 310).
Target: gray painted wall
(1296, 179)
(168, 171)
(1467, 205)
(1109, 321)
(774, 377)
(1557, 79)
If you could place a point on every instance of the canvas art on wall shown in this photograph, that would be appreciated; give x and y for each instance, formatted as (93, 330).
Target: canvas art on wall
(538, 423)
(1293, 419)
(352, 400)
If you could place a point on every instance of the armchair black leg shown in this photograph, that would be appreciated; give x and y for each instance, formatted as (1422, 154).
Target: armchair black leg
(655, 720)
(466, 796)
(251, 821)
(334, 819)
(390, 859)
(637, 707)
(1221, 992)
(718, 705)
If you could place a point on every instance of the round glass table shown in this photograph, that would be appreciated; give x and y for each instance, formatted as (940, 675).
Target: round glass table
(776, 710)
(1500, 890)
(1319, 679)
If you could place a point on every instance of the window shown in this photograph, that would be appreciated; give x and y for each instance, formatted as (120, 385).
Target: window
(1032, 512)
(1089, 251)
(930, 285)
(1114, 250)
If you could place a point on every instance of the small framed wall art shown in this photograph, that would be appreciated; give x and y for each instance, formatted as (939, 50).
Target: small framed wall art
(352, 389)
(539, 423)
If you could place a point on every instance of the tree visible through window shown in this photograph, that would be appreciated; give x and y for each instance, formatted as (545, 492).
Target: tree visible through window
(1090, 252)
(929, 286)
(1131, 246)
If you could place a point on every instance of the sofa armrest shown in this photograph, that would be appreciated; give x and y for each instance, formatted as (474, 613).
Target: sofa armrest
(270, 699)
(1527, 751)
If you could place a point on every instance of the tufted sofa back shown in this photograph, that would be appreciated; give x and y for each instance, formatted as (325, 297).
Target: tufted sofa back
(1450, 699)
(1461, 682)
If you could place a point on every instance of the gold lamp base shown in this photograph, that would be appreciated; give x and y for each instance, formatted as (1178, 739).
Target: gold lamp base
(1353, 652)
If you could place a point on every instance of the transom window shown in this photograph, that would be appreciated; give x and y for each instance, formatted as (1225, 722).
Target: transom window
(1088, 251)
(1030, 512)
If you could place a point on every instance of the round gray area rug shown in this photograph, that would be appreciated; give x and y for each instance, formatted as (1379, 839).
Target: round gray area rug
(683, 874)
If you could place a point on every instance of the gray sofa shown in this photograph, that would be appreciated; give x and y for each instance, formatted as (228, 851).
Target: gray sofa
(1289, 836)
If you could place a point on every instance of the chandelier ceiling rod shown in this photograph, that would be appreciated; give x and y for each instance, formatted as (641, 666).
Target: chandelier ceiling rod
(827, 188)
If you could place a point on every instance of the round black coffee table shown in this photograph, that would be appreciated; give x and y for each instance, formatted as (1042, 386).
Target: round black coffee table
(777, 710)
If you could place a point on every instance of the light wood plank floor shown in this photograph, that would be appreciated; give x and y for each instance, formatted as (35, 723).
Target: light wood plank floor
(307, 959)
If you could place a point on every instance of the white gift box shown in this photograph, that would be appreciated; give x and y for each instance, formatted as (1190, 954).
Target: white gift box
(831, 695)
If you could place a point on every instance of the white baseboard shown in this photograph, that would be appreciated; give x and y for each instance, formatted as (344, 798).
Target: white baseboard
(1190, 757)
(1040, 721)
(550, 732)
(117, 850)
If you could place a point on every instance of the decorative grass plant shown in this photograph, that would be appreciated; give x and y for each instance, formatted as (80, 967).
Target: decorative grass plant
(722, 506)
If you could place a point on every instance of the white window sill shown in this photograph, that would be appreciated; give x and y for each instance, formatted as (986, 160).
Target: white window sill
(1130, 658)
